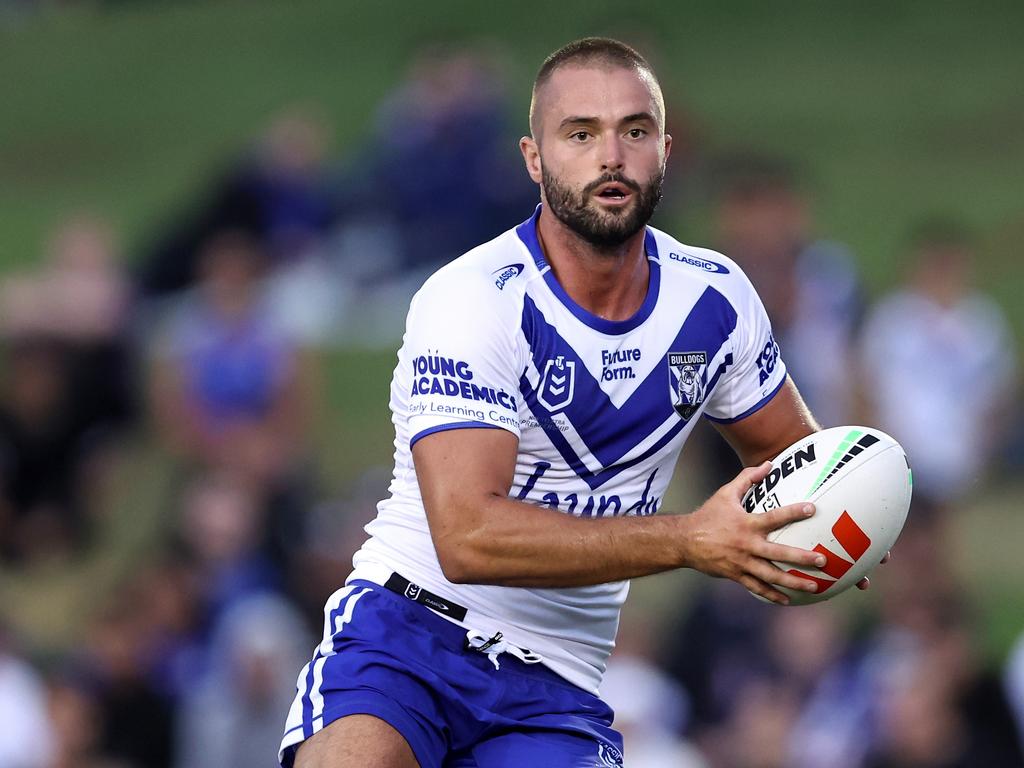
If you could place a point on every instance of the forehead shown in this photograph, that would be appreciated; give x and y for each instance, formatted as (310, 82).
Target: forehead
(605, 92)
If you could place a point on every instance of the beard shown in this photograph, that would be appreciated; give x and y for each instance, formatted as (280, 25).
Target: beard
(608, 229)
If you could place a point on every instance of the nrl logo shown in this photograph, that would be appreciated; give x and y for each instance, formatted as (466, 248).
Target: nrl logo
(690, 372)
(557, 384)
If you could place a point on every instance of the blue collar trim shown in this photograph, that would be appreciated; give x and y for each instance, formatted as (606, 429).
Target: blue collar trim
(527, 232)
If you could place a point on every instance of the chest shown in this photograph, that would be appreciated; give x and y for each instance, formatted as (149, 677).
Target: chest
(597, 406)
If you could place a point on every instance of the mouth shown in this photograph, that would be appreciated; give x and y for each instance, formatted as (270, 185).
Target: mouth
(613, 193)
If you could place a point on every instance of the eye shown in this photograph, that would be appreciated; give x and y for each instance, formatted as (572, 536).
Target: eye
(636, 133)
(579, 136)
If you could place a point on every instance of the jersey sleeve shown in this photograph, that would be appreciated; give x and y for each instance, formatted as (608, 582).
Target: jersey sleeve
(460, 350)
(757, 371)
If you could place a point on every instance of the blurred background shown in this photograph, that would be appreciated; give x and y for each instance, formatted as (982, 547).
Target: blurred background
(212, 216)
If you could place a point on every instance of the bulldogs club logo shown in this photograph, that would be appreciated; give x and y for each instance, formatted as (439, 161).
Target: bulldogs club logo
(690, 373)
(557, 384)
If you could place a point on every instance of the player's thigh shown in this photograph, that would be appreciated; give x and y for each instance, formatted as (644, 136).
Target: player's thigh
(356, 741)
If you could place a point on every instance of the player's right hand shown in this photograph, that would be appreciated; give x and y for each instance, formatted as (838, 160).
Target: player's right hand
(726, 541)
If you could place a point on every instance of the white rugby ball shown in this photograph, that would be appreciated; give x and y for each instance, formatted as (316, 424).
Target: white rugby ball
(860, 482)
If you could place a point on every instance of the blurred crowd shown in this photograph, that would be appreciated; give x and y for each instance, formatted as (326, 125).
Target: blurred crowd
(207, 339)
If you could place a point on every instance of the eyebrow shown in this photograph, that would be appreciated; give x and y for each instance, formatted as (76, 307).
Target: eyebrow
(639, 117)
(575, 120)
(580, 120)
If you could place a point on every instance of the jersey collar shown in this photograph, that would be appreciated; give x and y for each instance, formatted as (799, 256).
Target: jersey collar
(527, 232)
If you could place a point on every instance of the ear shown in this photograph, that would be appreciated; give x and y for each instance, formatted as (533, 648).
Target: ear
(531, 156)
(668, 146)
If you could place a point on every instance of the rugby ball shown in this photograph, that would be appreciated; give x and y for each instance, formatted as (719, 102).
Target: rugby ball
(860, 482)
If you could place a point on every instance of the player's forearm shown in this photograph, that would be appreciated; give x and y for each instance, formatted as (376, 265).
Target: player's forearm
(512, 543)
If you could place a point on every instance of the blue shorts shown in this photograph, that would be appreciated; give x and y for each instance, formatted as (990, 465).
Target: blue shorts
(387, 656)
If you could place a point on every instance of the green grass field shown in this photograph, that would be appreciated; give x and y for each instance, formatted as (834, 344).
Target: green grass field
(895, 109)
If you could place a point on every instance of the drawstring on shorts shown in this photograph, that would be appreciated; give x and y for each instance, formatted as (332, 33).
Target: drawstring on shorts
(494, 646)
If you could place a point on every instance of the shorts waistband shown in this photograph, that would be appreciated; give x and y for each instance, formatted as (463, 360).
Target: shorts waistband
(395, 582)
(400, 585)
(493, 646)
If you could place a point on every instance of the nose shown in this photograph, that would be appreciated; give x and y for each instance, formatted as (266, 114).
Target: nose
(612, 154)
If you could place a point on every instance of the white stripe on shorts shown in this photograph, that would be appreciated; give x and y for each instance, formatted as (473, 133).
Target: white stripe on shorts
(294, 719)
(316, 697)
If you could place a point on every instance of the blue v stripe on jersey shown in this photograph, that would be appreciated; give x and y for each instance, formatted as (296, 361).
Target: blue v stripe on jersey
(593, 479)
(611, 432)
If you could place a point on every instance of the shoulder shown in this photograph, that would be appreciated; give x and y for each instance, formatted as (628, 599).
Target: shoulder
(682, 263)
(488, 281)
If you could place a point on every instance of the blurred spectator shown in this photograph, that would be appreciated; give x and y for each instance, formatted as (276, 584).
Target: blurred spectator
(329, 534)
(69, 390)
(771, 688)
(835, 691)
(77, 726)
(224, 532)
(216, 559)
(135, 718)
(443, 163)
(440, 175)
(232, 719)
(277, 193)
(82, 298)
(777, 688)
(280, 195)
(757, 733)
(939, 706)
(650, 708)
(1013, 681)
(809, 286)
(40, 454)
(938, 356)
(172, 613)
(230, 390)
(716, 648)
(26, 737)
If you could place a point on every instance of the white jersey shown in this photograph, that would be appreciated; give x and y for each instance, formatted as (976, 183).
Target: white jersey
(601, 409)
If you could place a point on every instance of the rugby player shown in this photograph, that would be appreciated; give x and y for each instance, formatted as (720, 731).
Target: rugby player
(546, 384)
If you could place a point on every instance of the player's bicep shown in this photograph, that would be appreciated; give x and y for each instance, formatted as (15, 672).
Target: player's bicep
(772, 428)
(460, 472)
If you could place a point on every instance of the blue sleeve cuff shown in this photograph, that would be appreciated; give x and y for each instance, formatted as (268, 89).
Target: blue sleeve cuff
(754, 408)
(454, 425)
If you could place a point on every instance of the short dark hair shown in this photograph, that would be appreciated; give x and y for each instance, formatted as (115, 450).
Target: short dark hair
(593, 50)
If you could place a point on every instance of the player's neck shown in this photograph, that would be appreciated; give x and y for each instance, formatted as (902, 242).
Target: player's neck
(611, 284)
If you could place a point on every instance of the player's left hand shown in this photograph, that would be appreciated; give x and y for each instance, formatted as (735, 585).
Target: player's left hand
(865, 583)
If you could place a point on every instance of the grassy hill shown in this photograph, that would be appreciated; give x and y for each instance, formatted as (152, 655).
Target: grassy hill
(895, 109)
